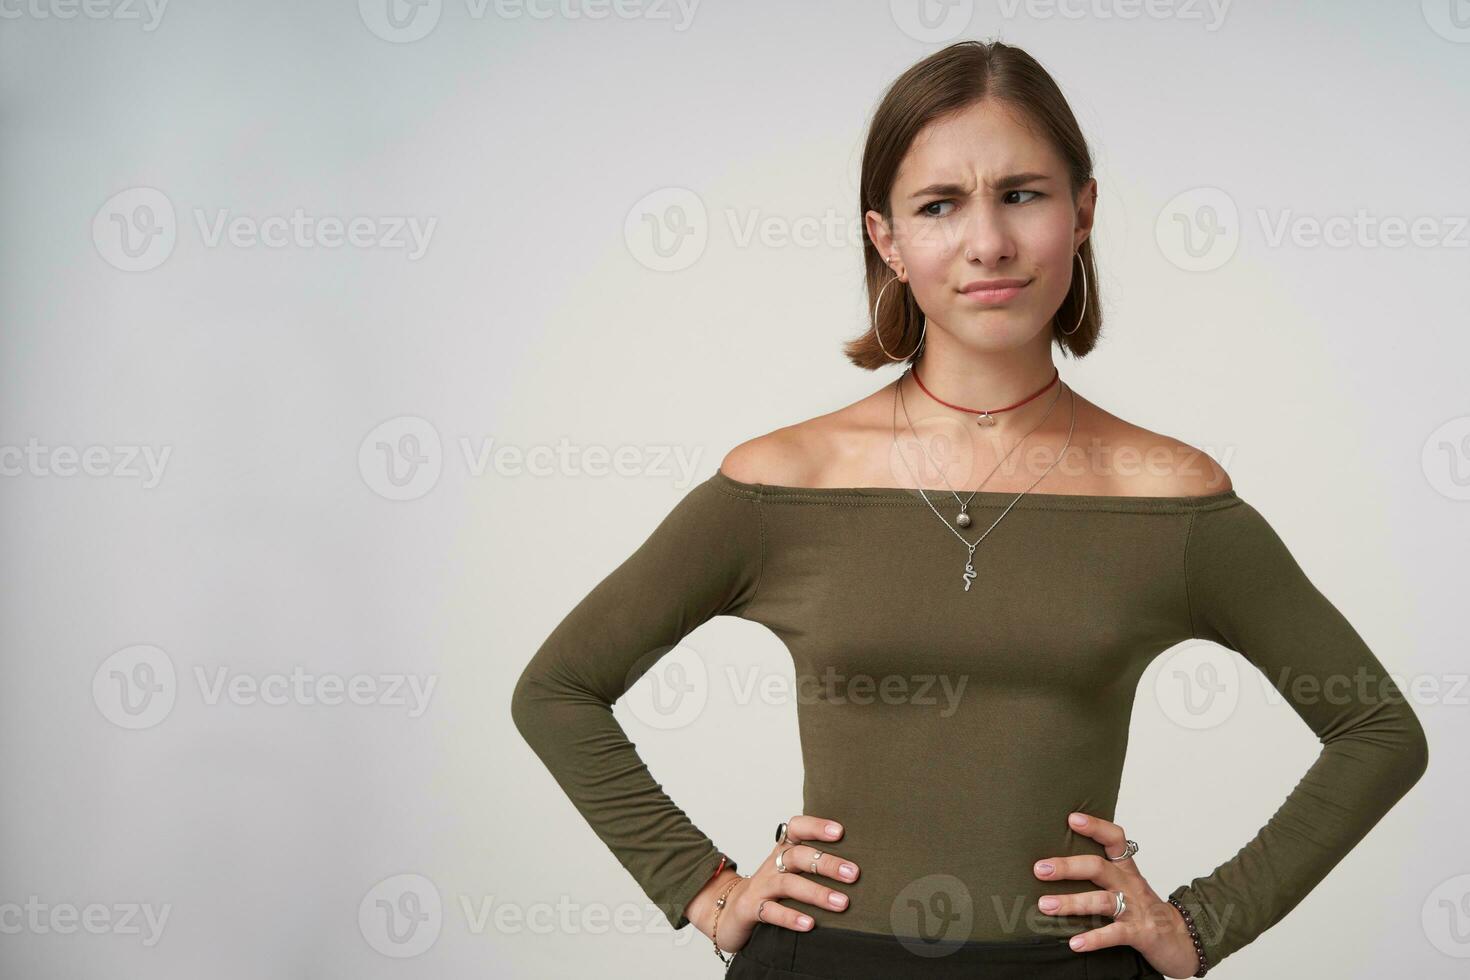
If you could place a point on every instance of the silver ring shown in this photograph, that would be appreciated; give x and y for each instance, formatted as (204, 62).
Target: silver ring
(1128, 852)
(780, 859)
(1121, 904)
(815, 858)
(781, 832)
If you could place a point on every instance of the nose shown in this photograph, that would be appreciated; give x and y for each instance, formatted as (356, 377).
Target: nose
(987, 240)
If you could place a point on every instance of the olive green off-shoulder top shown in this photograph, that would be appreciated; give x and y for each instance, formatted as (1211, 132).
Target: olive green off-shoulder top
(949, 790)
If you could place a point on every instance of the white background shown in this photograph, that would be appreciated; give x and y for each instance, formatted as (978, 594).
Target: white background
(1330, 380)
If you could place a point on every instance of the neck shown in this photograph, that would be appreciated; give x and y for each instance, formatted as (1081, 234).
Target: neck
(982, 380)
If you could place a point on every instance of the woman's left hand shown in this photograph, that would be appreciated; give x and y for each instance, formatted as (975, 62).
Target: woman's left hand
(1149, 923)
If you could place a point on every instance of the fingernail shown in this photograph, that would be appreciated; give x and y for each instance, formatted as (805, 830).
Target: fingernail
(833, 829)
(1075, 942)
(1044, 868)
(803, 921)
(1079, 819)
(837, 901)
(848, 871)
(1049, 904)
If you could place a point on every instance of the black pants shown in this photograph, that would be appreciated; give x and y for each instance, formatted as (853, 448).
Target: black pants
(775, 953)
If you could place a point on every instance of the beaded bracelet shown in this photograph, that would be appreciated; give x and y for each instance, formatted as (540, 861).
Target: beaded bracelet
(714, 929)
(1199, 947)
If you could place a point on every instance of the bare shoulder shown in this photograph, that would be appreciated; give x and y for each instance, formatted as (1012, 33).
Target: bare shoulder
(827, 450)
(781, 457)
(849, 447)
(1142, 462)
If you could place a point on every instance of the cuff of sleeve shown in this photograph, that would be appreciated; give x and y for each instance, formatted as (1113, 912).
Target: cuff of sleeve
(1206, 924)
(691, 886)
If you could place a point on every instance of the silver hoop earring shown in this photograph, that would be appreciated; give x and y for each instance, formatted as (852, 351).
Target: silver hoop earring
(1083, 267)
(877, 334)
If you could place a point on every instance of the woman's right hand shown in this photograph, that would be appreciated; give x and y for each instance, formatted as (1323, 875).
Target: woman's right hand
(805, 836)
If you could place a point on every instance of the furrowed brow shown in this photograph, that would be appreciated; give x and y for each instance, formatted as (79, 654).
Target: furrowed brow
(1007, 183)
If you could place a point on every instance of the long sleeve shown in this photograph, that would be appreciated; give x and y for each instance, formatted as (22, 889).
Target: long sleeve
(702, 560)
(1246, 592)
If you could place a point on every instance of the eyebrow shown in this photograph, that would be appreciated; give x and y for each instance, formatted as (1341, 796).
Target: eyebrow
(1006, 183)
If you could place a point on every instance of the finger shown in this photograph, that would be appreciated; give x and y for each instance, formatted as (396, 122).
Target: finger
(1113, 934)
(1105, 832)
(1080, 867)
(779, 915)
(799, 859)
(811, 892)
(1079, 903)
(803, 827)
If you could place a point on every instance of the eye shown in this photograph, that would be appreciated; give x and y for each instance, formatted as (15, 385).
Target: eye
(1037, 193)
(925, 209)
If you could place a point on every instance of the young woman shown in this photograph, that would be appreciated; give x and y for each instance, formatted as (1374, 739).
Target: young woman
(972, 567)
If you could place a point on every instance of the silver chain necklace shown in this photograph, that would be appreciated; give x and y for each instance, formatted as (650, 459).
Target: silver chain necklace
(970, 574)
(963, 518)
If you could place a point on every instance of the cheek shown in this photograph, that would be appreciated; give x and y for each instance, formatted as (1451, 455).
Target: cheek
(1054, 252)
(1051, 241)
(1050, 252)
(929, 256)
(928, 268)
(928, 244)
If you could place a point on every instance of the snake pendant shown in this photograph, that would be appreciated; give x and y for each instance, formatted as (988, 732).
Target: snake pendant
(970, 574)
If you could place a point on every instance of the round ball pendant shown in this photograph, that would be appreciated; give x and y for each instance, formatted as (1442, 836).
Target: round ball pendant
(963, 520)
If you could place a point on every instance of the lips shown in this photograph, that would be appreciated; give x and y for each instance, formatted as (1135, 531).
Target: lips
(992, 285)
(992, 292)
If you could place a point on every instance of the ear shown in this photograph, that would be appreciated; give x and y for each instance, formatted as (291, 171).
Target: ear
(1086, 212)
(882, 238)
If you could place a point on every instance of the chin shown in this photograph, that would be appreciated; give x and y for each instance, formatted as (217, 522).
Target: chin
(998, 331)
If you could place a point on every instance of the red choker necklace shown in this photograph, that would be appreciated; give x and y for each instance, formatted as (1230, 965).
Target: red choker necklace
(983, 416)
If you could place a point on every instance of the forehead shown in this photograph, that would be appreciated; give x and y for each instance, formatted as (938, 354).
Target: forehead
(984, 141)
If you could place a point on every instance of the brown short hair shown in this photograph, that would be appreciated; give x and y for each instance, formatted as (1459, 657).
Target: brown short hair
(948, 81)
